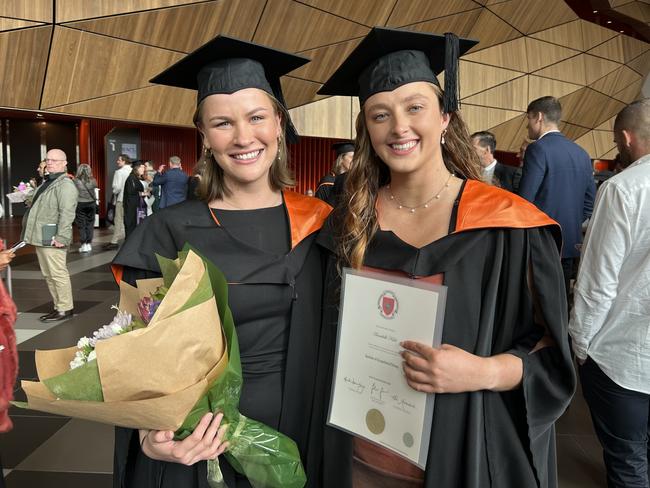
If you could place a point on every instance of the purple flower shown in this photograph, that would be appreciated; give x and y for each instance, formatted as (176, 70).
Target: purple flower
(147, 308)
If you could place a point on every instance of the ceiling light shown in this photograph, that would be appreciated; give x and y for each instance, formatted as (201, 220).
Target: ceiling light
(609, 21)
(39, 115)
(595, 11)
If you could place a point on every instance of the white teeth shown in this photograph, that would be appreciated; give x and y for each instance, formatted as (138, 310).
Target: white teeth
(246, 156)
(404, 147)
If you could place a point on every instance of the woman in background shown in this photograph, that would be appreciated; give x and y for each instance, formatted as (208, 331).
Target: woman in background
(134, 198)
(86, 206)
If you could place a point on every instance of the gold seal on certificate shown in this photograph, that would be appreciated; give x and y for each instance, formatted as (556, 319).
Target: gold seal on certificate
(370, 396)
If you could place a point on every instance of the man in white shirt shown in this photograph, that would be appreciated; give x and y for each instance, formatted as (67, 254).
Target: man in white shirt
(119, 178)
(610, 323)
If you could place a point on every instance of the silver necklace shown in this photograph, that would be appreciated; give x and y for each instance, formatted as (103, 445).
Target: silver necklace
(400, 205)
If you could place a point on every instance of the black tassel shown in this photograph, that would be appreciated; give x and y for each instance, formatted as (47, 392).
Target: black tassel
(290, 133)
(451, 96)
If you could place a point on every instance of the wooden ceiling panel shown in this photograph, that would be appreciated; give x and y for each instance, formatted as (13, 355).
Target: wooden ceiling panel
(572, 131)
(476, 77)
(329, 117)
(593, 34)
(89, 66)
(153, 104)
(611, 154)
(490, 30)
(587, 143)
(530, 16)
(512, 95)
(23, 60)
(616, 80)
(510, 55)
(636, 10)
(293, 27)
(69, 10)
(324, 61)
(37, 10)
(567, 35)
(603, 142)
(484, 118)
(571, 70)
(618, 3)
(460, 24)
(608, 125)
(408, 12)
(620, 49)
(541, 54)
(596, 68)
(367, 12)
(629, 94)
(588, 108)
(511, 134)
(540, 87)
(641, 64)
(198, 23)
(299, 92)
(10, 24)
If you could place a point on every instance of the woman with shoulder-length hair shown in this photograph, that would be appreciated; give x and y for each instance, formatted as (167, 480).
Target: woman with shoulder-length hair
(412, 205)
(86, 206)
(133, 201)
(260, 235)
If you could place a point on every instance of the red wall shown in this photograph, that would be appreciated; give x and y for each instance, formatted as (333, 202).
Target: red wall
(311, 159)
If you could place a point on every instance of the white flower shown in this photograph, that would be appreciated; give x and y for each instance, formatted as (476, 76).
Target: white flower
(83, 343)
(91, 356)
(79, 360)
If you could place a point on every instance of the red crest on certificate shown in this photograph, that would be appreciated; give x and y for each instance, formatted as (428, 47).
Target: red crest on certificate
(388, 305)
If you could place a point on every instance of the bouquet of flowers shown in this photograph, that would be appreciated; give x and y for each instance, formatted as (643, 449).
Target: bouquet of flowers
(169, 356)
(21, 192)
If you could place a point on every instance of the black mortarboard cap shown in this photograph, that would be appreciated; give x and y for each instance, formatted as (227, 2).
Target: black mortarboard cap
(343, 147)
(389, 58)
(225, 65)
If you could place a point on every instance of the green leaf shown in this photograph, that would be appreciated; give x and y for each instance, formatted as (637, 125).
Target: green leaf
(81, 383)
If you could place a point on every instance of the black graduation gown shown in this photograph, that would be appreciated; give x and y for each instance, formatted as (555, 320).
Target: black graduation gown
(325, 186)
(132, 188)
(479, 439)
(299, 272)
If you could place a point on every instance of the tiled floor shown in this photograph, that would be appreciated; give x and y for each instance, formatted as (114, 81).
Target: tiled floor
(48, 451)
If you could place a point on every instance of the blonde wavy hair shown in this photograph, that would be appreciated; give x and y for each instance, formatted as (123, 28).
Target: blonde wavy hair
(357, 216)
(213, 185)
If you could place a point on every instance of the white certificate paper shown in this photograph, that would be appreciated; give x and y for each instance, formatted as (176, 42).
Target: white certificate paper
(370, 396)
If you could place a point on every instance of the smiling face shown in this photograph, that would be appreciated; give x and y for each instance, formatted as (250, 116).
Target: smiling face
(405, 127)
(242, 131)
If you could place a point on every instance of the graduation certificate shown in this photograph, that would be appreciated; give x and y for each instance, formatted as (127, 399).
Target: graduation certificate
(370, 396)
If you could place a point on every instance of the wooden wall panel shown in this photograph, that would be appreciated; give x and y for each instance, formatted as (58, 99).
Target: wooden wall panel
(460, 24)
(367, 12)
(68, 10)
(587, 143)
(512, 95)
(475, 77)
(324, 61)
(636, 10)
(588, 108)
(541, 87)
(641, 64)
(330, 117)
(572, 131)
(23, 60)
(408, 12)
(571, 70)
(596, 68)
(154, 104)
(10, 24)
(510, 55)
(530, 16)
(483, 118)
(490, 30)
(567, 35)
(296, 27)
(37, 10)
(631, 93)
(90, 66)
(616, 81)
(608, 125)
(299, 92)
(593, 34)
(603, 142)
(198, 24)
(620, 49)
(541, 54)
(511, 134)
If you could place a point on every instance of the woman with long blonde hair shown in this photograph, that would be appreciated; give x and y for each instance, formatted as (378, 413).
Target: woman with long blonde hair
(412, 205)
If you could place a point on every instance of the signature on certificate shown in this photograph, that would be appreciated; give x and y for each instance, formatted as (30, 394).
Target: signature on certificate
(378, 392)
(355, 385)
(402, 404)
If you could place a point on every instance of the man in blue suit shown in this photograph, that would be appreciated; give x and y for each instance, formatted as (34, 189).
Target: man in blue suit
(557, 177)
(172, 183)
